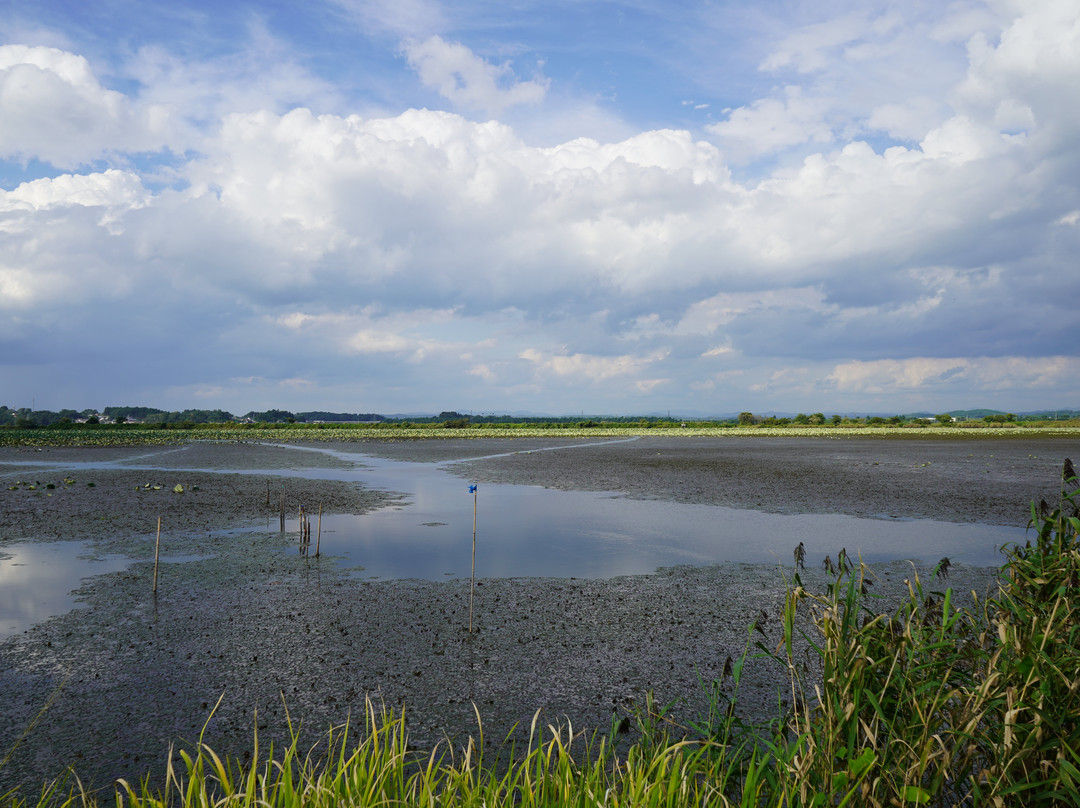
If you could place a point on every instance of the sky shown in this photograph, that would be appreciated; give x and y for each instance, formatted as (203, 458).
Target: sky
(555, 207)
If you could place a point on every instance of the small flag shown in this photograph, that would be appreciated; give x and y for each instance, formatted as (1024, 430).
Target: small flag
(472, 489)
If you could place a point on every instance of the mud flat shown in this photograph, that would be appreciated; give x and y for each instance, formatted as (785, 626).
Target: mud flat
(134, 673)
(979, 480)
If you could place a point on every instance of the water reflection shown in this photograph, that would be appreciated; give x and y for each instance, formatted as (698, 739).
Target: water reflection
(36, 580)
(534, 531)
(521, 531)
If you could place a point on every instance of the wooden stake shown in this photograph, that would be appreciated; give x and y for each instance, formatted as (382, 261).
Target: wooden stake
(157, 551)
(472, 577)
(318, 537)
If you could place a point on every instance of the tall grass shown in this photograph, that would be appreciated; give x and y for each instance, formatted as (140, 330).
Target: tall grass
(929, 705)
(939, 706)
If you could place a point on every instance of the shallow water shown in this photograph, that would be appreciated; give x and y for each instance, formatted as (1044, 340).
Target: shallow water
(521, 531)
(534, 531)
(37, 580)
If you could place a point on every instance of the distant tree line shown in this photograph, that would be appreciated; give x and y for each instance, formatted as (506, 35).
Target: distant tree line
(151, 415)
(25, 417)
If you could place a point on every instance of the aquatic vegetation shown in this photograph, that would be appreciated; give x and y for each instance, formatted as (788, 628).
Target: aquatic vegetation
(135, 435)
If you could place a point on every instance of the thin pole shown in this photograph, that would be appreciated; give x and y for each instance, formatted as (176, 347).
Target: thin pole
(157, 551)
(318, 536)
(472, 577)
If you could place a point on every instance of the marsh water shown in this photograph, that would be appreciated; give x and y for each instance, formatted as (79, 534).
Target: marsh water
(520, 531)
(533, 531)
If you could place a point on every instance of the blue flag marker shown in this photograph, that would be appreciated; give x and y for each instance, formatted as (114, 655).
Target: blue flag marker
(472, 489)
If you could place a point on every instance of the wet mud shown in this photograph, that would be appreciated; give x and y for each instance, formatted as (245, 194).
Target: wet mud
(973, 480)
(264, 629)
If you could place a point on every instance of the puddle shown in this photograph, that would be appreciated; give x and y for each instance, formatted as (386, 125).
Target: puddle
(531, 531)
(36, 580)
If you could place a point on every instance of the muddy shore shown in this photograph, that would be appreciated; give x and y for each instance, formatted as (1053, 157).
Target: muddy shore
(259, 623)
(976, 480)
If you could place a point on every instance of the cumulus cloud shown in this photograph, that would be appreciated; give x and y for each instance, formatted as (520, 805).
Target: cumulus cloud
(770, 124)
(865, 73)
(417, 249)
(468, 81)
(54, 109)
(111, 189)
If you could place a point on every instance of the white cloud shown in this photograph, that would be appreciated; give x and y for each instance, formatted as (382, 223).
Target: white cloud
(811, 47)
(979, 375)
(1019, 82)
(109, 189)
(418, 248)
(59, 236)
(190, 98)
(53, 108)
(368, 341)
(484, 372)
(468, 81)
(706, 316)
(879, 375)
(771, 124)
(591, 368)
(899, 72)
(15, 287)
(719, 350)
(908, 121)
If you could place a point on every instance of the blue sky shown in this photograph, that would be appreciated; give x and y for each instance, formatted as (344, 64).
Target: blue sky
(610, 207)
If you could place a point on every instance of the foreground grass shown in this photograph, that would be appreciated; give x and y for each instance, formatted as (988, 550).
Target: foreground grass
(927, 706)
